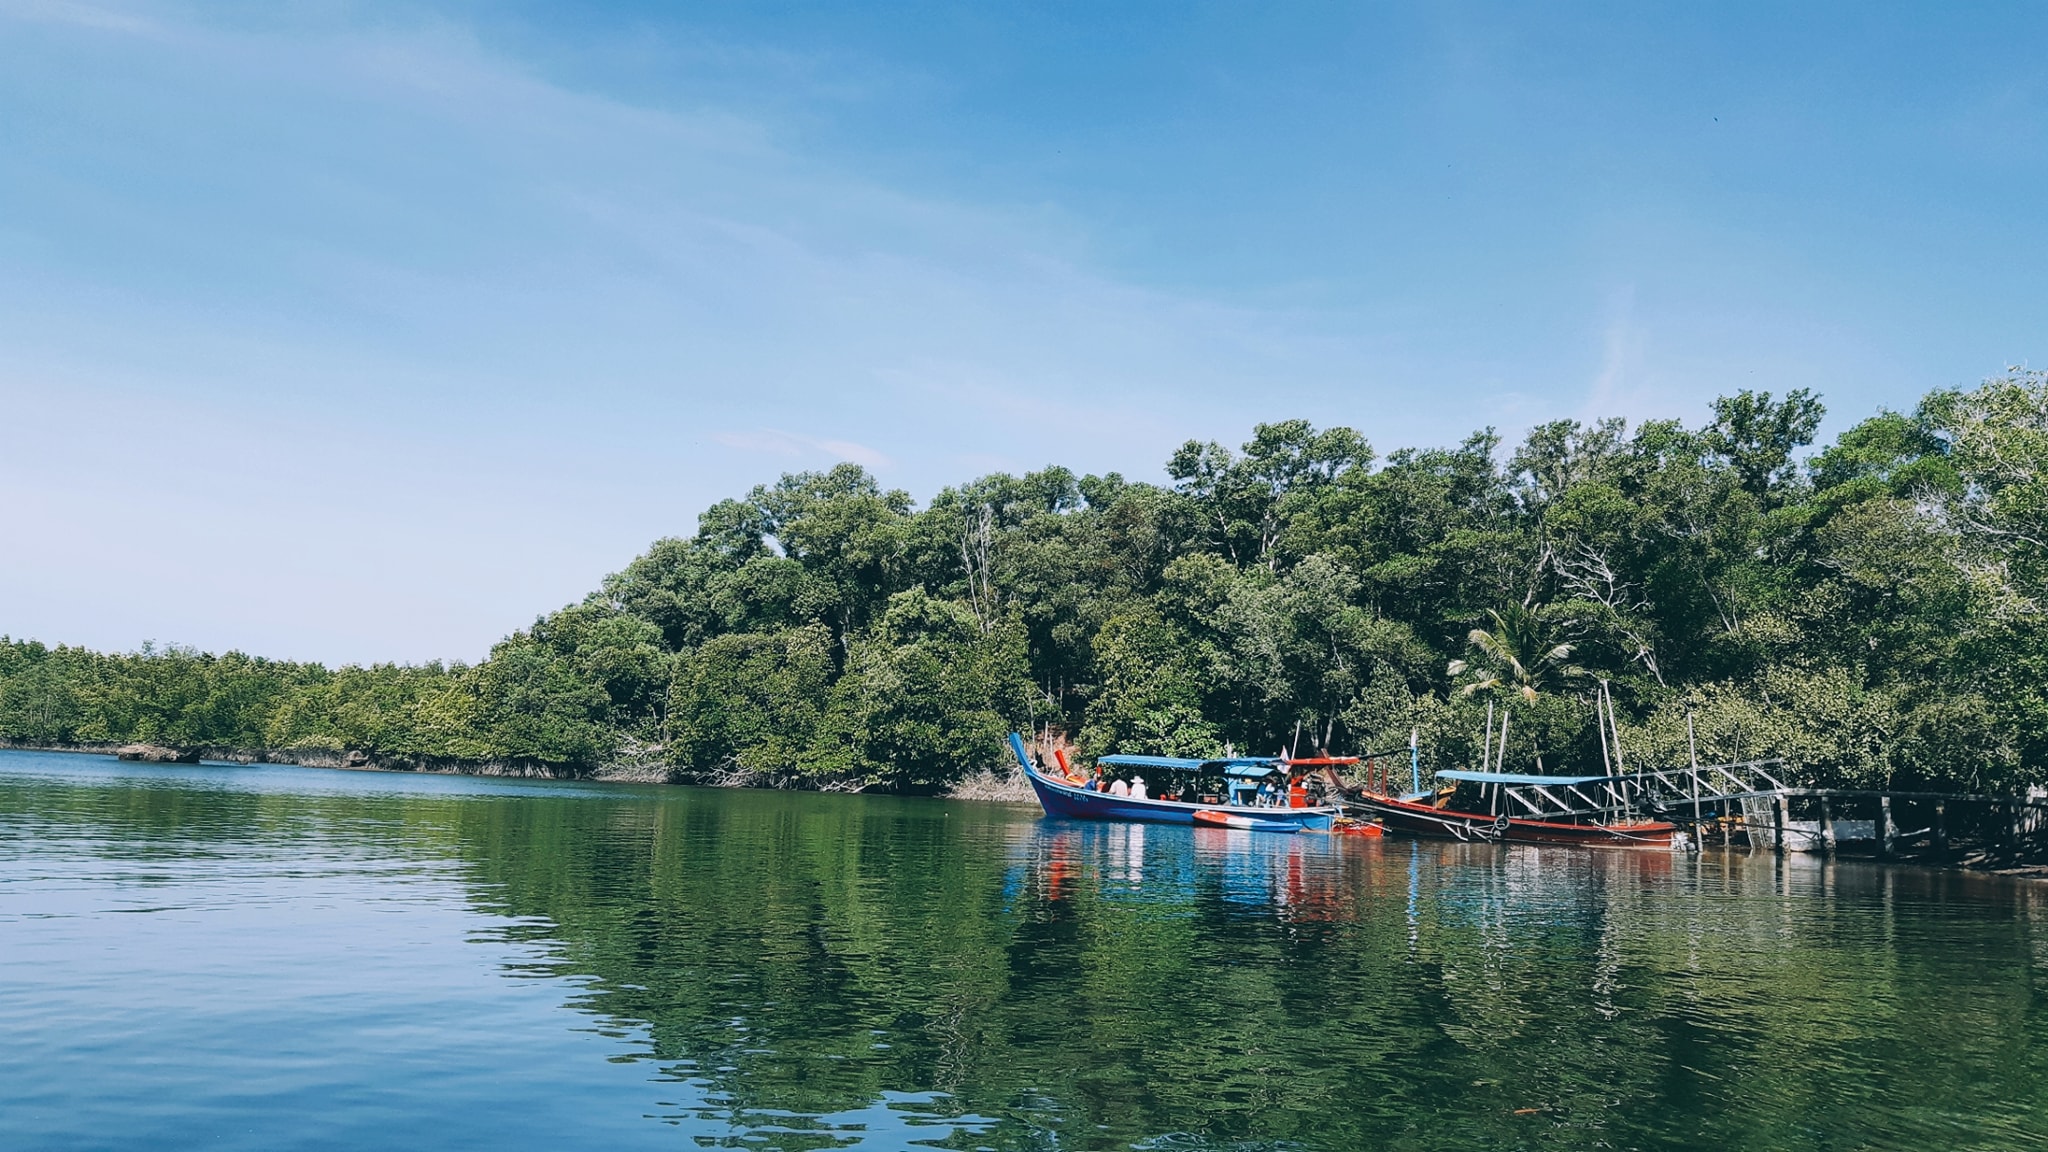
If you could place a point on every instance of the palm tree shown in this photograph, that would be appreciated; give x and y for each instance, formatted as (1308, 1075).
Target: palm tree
(1519, 655)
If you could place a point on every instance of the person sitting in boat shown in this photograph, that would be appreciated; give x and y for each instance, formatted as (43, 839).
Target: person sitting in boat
(1138, 789)
(1119, 788)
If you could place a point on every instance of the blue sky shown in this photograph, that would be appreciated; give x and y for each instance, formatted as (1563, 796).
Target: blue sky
(350, 332)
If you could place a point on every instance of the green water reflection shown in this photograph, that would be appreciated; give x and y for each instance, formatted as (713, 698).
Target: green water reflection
(781, 963)
(1121, 984)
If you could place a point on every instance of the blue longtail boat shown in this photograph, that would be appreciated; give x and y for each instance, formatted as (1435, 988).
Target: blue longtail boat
(1062, 796)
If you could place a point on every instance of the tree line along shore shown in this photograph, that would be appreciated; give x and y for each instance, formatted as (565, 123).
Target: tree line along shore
(1871, 610)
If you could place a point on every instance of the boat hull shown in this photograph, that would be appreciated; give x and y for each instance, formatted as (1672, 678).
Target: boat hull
(1213, 819)
(1059, 798)
(1424, 820)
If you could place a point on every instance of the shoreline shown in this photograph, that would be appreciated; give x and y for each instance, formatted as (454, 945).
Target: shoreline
(983, 784)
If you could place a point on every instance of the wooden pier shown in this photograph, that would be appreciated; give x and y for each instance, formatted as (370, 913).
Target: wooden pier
(1749, 803)
(1943, 827)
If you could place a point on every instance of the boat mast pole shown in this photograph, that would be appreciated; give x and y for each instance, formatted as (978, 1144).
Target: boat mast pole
(1414, 761)
(1628, 808)
(1486, 743)
(1621, 763)
(1692, 743)
(1600, 722)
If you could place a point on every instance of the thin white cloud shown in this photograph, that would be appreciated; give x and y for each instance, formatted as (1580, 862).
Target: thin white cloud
(857, 453)
(1619, 387)
(81, 15)
(796, 446)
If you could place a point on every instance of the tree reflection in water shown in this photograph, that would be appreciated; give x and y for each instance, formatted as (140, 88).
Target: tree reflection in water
(1102, 985)
(804, 971)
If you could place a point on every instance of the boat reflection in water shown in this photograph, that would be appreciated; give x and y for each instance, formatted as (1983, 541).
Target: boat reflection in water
(1320, 879)
(1296, 878)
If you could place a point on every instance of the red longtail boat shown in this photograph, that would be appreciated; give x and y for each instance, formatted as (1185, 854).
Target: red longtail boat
(1453, 812)
(1429, 815)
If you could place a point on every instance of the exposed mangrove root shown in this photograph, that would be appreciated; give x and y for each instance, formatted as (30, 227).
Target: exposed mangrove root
(988, 784)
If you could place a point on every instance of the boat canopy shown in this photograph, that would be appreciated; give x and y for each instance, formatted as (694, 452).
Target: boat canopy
(1515, 778)
(1241, 766)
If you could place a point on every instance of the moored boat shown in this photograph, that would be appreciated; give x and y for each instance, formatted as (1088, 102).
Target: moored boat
(1455, 812)
(1061, 794)
(1434, 814)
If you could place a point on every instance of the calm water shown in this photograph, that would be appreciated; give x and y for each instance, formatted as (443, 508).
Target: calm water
(284, 958)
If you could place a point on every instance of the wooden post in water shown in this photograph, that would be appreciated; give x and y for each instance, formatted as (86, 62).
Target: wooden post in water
(1827, 825)
(1885, 829)
(1941, 830)
(1779, 818)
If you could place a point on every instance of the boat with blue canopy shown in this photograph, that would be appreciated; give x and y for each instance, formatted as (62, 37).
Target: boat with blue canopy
(1257, 793)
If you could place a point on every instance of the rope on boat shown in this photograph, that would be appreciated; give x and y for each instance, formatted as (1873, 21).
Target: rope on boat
(1624, 835)
(1466, 830)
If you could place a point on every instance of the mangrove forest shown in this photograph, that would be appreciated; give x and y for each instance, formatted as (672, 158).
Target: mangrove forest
(1871, 610)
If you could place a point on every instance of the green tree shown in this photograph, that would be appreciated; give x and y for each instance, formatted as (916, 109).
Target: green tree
(1245, 502)
(1522, 656)
(1151, 693)
(928, 696)
(756, 702)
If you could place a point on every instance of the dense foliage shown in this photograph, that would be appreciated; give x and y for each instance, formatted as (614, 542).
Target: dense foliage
(1872, 612)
